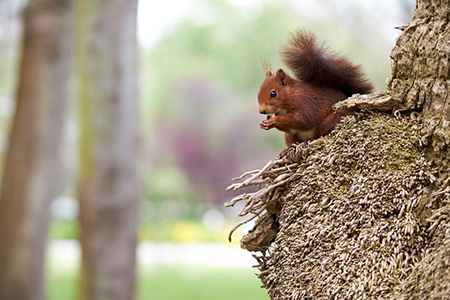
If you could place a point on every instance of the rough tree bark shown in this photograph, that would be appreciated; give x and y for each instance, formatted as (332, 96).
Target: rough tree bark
(108, 188)
(33, 173)
(421, 72)
(365, 211)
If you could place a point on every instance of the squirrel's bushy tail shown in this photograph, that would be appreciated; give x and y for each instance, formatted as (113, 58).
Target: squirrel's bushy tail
(311, 63)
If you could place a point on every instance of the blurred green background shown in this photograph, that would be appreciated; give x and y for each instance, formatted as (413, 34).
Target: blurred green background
(199, 74)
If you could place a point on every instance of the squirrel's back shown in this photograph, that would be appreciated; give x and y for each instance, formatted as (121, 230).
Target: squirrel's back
(313, 64)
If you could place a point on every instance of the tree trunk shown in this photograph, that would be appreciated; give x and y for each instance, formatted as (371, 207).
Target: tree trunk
(108, 187)
(33, 174)
(364, 213)
(421, 72)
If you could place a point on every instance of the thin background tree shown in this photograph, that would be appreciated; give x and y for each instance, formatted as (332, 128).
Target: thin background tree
(108, 181)
(33, 173)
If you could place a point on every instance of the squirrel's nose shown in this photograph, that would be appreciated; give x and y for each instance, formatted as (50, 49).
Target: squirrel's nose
(263, 112)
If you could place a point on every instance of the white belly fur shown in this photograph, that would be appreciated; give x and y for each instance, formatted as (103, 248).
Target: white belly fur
(303, 135)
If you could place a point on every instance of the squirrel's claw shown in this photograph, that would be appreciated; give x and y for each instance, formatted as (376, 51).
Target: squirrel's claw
(271, 123)
(281, 154)
(266, 125)
(263, 125)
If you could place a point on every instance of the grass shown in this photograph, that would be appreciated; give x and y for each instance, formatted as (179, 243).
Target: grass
(158, 282)
(173, 283)
(62, 286)
(170, 283)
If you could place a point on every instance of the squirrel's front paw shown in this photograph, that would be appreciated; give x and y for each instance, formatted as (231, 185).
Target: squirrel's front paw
(266, 125)
(269, 124)
(263, 125)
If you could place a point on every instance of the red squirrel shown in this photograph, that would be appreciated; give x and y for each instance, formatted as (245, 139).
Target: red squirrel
(301, 106)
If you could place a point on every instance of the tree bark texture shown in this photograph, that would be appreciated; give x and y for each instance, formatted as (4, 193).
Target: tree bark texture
(421, 72)
(108, 187)
(33, 173)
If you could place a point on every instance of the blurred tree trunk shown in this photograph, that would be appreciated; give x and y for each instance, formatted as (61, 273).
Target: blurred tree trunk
(33, 174)
(108, 187)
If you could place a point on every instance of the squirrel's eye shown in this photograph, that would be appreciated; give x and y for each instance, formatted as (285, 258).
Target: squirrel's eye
(273, 94)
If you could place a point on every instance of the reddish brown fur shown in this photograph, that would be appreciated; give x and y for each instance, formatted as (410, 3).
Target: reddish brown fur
(305, 104)
(313, 63)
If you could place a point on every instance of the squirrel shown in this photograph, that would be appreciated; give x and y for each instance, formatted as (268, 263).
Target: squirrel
(302, 106)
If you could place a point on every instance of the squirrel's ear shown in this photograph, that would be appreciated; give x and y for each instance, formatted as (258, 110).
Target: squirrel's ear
(266, 66)
(281, 76)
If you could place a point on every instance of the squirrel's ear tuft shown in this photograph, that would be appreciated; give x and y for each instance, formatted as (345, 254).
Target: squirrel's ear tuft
(281, 76)
(267, 68)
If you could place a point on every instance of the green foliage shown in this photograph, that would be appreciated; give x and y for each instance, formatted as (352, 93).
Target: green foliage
(176, 229)
(171, 183)
(218, 42)
(181, 231)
